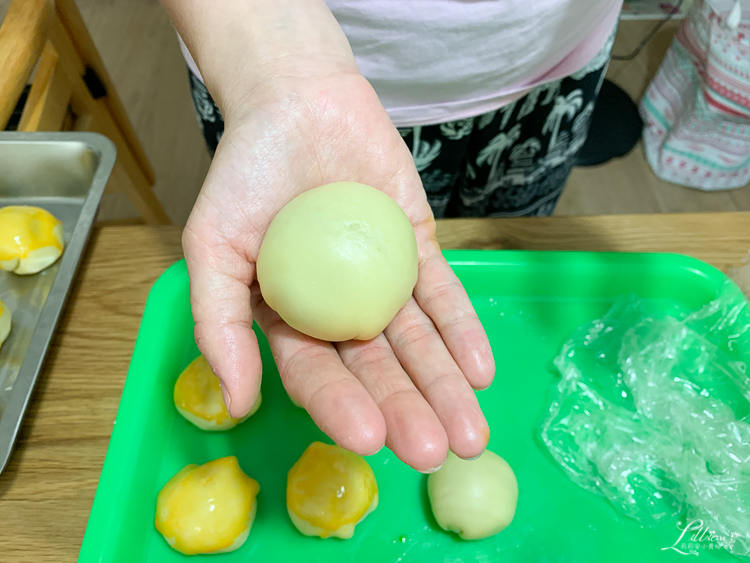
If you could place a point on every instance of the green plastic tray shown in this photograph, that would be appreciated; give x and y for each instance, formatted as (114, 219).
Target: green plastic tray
(529, 303)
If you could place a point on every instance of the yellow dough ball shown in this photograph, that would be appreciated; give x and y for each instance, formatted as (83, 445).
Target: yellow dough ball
(31, 239)
(329, 491)
(207, 508)
(5, 318)
(474, 498)
(197, 396)
(338, 262)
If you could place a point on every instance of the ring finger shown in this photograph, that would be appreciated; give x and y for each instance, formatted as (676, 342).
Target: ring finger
(423, 354)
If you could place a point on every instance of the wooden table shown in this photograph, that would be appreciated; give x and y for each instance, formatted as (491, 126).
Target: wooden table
(47, 488)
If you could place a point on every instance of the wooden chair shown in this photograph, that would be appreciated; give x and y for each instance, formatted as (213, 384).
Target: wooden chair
(70, 90)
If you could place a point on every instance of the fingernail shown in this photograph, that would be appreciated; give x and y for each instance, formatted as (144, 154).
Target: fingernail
(475, 457)
(225, 394)
(431, 470)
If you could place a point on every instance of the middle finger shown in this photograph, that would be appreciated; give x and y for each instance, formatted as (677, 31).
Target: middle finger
(423, 354)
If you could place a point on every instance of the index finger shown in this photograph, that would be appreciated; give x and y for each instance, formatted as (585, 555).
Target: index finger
(314, 376)
(220, 300)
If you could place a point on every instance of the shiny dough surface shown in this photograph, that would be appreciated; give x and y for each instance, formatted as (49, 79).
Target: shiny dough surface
(338, 262)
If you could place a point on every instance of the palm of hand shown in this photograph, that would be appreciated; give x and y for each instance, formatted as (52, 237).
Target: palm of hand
(359, 393)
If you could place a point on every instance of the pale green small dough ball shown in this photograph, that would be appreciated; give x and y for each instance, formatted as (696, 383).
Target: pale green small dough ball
(338, 262)
(476, 499)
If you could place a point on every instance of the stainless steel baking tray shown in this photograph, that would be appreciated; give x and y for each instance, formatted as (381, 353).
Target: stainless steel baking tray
(64, 173)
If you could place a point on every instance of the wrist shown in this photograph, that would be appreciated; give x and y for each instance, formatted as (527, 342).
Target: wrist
(279, 85)
(253, 51)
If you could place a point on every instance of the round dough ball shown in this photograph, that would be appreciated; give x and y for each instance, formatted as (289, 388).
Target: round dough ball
(477, 498)
(338, 262)
(31, 239)
(197, 396)
(207, 508)
(5, 318)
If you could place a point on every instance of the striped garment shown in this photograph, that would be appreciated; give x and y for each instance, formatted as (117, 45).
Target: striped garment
(697, 108)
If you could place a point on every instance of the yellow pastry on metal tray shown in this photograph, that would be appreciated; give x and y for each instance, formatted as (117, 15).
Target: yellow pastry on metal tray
(5, 318)
(31, 239)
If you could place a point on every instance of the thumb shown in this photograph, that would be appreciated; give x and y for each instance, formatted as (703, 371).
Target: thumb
(220, 279)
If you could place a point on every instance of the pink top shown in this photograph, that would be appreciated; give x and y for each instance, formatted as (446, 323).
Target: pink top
(432, 61)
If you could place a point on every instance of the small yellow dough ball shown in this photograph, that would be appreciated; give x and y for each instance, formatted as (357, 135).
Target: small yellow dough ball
(338, 262)
(197, 396)
(329, 491)
(31, 239)
(207, 508)
(5, 318)
(476, 499)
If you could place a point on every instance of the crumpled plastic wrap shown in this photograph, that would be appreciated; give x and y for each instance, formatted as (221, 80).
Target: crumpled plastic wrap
(653, 412)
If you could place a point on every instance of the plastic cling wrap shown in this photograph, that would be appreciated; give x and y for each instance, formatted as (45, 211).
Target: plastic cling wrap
(653, 412)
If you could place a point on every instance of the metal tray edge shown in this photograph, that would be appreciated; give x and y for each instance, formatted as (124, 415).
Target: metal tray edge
(69, 263)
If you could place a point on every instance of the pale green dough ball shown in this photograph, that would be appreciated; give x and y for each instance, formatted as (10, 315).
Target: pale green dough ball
(338, 262)
(476, 499)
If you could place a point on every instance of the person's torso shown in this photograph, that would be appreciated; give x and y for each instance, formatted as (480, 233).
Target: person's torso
(432, 61)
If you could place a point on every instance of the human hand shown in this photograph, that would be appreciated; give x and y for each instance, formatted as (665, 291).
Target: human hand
(299, 115)
(411, 387)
